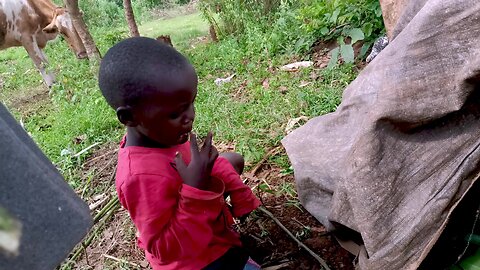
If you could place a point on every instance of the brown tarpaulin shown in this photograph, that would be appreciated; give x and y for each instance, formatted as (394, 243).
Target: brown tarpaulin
(402, 148)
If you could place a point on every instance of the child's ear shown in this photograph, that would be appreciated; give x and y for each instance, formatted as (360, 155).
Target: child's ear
(126, 116)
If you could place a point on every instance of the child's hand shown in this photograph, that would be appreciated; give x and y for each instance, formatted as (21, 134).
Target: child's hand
(197, 173)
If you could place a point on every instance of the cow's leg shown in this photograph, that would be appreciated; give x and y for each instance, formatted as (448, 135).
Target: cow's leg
(40, 60)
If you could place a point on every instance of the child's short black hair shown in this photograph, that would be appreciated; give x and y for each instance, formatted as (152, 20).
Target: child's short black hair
(130, 69)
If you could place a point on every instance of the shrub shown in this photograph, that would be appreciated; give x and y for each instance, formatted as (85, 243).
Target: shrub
(329, 19)
(343, 20)
(107, 13)
(267, 26)
(287, 26)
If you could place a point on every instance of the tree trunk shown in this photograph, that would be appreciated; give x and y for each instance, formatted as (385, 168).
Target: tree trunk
(213, 33)
(132, 25)
(82, 30)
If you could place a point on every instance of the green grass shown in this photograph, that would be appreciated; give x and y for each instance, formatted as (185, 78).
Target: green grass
(243, 112)
(246, 112)
(249, 114)
(181, 29)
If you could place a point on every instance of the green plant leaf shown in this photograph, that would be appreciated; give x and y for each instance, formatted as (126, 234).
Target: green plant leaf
(334, 58)
(364, 49)
(378, 11)
(334, 17)
(367, 29)
(324, 31)
(356, 34)
(347, 53)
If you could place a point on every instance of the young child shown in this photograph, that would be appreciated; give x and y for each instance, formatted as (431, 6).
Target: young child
(173, 190)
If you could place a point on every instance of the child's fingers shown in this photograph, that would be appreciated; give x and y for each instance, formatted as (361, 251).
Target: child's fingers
(180, 164)
(207, 145)
(193, 144)
(213, 154)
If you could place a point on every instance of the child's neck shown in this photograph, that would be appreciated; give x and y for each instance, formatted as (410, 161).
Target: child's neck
(135, 138)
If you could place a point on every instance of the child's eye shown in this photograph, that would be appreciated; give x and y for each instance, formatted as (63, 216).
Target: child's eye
(174, 115)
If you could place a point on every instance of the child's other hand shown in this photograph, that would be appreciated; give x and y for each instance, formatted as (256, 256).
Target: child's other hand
(197, 173)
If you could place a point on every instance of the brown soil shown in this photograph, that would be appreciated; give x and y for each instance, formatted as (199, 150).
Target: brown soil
(115, 246)
(271, 246)
(28, 102)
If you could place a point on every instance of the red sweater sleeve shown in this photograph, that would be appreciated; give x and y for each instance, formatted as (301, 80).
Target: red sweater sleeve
(173, 224)
(241, 196)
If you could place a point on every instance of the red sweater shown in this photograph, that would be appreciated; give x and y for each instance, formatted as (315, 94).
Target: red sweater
(179, 226)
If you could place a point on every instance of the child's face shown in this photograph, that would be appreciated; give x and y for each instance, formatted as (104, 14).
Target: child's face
(166, 116)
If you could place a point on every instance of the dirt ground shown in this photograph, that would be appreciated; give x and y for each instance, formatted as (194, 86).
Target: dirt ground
(269, 245)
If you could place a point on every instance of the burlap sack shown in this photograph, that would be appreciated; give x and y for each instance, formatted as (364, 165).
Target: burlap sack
(402, 148)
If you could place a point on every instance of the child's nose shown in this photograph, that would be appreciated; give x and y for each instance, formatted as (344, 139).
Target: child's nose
(190, 115)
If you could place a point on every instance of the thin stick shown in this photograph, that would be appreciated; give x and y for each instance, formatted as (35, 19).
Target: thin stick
(270, 153)
(110, 205)
(319, 259)
(276, 267)
(96, 204)
(99, 157)
(112, 177)
(86, 149)
(89, 240)
(120, 260)
(106, 166)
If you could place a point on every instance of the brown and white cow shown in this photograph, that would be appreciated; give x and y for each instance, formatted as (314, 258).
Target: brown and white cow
(31, 23)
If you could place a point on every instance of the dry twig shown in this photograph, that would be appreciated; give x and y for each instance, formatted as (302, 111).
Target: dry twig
(99, 157)
(86, 149)
(120, 260)
(277, 267)
(318, 258)
(106, 166)
(270, 153)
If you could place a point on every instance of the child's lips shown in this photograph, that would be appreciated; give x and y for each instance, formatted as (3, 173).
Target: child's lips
(184, 136)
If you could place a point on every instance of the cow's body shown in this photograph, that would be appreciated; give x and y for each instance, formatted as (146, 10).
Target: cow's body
(31, 23)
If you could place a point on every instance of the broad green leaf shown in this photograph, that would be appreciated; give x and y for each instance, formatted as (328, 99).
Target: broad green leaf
(324, 31)
(333, 59)
(364, 49)
(347, 53)
(356, 34)
(367, 29)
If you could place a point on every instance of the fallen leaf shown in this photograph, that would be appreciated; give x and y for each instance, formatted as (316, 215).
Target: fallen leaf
(107, 234)
(99, 196)
(304, 83)
(144, 264)
(266, 83)
(292, 122)
(80, 139)
(220, 81)
(283, 89)
(97, 203)
(318, 229)
(296, 66)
